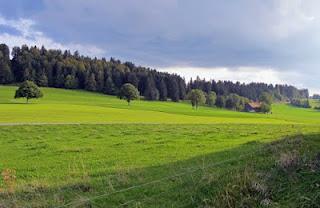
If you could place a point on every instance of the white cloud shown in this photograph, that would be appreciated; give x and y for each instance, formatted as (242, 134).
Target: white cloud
(292, 16)
(30, 36)
(243, 75)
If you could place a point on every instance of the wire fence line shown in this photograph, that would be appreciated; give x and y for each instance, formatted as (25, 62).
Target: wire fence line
(146, 199)
(190, 171)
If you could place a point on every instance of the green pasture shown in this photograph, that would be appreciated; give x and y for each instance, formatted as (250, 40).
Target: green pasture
(80, 149)
(72, 164)
(73, 106)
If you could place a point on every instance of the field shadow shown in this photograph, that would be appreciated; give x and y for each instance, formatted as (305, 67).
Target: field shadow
(166, 185)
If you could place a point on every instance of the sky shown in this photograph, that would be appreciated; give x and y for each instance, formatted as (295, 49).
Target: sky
(272, 41)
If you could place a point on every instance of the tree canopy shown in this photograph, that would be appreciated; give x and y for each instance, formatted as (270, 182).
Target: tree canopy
(211, 98)
(236, 102)
(28, 90)
(6, 75)
(129, 92)
(196, 97)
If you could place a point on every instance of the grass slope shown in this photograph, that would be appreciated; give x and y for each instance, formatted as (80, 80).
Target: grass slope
(205, 158)
(57, 165)
(71, 106)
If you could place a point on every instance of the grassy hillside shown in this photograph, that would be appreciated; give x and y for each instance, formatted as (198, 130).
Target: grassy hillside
(154, 154)
(70, 106)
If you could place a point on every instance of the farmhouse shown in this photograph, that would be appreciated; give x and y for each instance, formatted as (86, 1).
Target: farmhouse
(253, 107)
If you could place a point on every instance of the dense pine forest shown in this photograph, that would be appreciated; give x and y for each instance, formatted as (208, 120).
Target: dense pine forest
(62, 69)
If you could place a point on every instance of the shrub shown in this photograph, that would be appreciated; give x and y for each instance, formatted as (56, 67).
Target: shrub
(289, 161)
(265, 108)
(300, 103)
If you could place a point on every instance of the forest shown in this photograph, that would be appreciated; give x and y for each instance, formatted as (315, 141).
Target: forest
(63, 69)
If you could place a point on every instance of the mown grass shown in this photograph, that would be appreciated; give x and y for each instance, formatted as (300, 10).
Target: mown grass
(151, 154)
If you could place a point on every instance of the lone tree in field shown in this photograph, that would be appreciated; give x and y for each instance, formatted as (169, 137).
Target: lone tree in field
(28, 90)
(196, 97)
(129, 92)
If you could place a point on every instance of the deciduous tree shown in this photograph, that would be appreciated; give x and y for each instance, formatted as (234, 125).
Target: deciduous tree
(211, 98)
(28, 90)
(129, 92)
(196, 97)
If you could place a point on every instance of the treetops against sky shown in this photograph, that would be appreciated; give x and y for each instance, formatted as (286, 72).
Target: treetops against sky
(61, 69)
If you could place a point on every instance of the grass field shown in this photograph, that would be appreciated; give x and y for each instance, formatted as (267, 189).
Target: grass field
(81, 149)
(66, 106)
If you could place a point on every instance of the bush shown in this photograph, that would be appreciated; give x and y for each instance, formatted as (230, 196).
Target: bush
(289, 161)
(300, 103)
(265, 108)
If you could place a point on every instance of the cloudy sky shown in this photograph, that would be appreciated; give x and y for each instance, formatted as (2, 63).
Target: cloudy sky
(274, 41)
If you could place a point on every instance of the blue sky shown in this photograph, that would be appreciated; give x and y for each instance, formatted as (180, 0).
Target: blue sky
(274, 41)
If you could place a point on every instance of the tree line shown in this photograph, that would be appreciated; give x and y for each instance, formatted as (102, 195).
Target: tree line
(302, 103)
(54, 68)
(232, 101)
(63, 69)
(252, 91)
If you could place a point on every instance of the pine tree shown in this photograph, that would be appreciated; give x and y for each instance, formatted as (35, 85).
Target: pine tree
(42, 80)
(163, 91)
(6, 75)
(174, 90)
(109, 87)
(132, 78)
(91, 83)
(182, 89)
(151, 92)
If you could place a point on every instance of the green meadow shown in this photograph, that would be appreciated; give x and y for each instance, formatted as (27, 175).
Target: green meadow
(71, 106)
(81, 149)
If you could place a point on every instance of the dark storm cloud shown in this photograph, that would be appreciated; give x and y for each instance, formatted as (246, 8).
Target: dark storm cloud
(279, 34)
